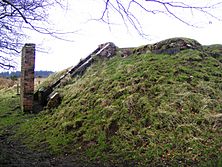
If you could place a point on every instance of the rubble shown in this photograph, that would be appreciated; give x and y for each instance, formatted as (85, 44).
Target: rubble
(54, 100)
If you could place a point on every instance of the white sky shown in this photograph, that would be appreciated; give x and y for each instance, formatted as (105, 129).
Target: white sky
(62, 54)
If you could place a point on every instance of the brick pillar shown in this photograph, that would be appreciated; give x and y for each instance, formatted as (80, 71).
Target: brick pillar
(27, 77)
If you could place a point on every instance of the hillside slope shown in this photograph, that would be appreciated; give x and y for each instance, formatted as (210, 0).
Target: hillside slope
(141, 110)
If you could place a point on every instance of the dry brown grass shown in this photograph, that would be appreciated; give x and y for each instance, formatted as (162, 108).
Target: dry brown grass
(38, 81)
(6, 83)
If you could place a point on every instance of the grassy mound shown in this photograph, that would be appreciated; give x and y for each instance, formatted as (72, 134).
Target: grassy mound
(149, 109)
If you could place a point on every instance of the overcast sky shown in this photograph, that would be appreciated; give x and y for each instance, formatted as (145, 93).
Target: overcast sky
(89, 34)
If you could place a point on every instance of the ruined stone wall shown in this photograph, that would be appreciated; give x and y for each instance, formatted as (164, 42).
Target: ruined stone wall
(27, 77)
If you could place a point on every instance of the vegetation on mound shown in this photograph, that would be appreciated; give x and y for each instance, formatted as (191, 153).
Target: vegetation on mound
(51, 78)
(151, 109)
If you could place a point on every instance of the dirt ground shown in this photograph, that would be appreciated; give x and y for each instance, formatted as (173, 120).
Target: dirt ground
(15, 154)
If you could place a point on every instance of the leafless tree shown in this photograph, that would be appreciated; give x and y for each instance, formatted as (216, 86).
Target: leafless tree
(17, 15)
(126, 10)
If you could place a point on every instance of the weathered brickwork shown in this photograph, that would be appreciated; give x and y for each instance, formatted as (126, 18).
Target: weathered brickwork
(27, 77)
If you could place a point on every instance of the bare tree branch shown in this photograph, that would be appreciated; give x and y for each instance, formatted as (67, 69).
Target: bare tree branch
(11, 4)
(5, 63)
(18, 15)
(124, 9)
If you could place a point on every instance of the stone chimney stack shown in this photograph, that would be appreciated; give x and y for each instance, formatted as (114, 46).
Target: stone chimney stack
(27, 77)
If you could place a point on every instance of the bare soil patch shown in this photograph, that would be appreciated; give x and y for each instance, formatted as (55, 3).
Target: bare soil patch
(15, 154)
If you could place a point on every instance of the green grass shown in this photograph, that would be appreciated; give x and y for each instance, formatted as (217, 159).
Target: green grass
(151, 109)
(10, 113)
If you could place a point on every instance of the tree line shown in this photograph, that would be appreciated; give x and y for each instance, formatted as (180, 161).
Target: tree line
(16, 74)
